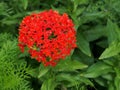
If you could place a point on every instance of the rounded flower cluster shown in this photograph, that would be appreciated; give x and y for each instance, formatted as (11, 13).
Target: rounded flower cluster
(48, 36)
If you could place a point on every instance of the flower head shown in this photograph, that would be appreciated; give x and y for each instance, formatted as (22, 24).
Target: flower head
(48, 35)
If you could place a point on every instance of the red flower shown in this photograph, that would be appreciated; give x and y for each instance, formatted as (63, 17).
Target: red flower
(48, 35)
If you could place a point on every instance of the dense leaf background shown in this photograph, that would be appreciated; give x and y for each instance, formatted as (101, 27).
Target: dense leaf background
(93, 65)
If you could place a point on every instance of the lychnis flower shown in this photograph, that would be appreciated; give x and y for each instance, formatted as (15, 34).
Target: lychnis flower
(48, 36)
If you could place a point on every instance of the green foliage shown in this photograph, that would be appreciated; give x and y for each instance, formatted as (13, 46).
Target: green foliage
(13, 72)
(112, 50)
(94, 64)
(69, 65)
(97, 69)
(83, 44)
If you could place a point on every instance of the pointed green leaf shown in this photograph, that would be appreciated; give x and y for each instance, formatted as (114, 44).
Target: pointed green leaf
(92, 16)
(42, 70)
(78, 2)
(79, 11)
(108, 77)
(25, 4)
(112, 50)
(65, 77)
(110, 61)
(69, 65)
(83, 44)
(34, 72)
(117, 79)
(97, 69)
(113, 32)
(73, 79)
(48, 84)
(83, 58)
(111, 86)
(101, 81)
(94, 33)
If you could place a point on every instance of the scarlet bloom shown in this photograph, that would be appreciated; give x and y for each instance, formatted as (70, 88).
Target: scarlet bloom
(48, 36)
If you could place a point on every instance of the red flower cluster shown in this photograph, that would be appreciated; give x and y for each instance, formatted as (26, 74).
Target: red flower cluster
(48, 35)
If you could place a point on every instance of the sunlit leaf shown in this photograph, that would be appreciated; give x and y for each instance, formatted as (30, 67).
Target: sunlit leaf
(69, 65)
(97, 69)
(73, 79)
(25, 4)
(112, 31)
(48, 84)
(112, 50)
(117, 79)
(42, 70)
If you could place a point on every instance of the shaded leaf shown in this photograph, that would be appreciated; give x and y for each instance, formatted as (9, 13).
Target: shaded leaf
(78, 2)
(111, 86)
(83, 44)
(95, 33)
(86, 17)
(110, 61)
(83, 58)
(103, 43)
(101, 81)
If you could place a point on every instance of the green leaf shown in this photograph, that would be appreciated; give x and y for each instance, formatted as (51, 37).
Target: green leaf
(34, 72)
(65, 77)
(76, 20)
(73, 79)
(111, 86)
(108, 77)
(61, 10)
(25, 4)
(69, 65)
(117, 79)
(78, 2)
(110, 61)
(79, 11)
(82, 87)
(67, 80)
(113, 32)
(97, 69)
(83, 58)
(87, 17)
(101, 81)
(83, 44)
(112, 50)
(116, 5)
(102, 43)
(94, 33)
(49, 84)
(42, 70)
(86, 81)
(8, 21)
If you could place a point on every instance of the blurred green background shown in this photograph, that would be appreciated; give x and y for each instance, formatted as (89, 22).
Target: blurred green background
(94, 65)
